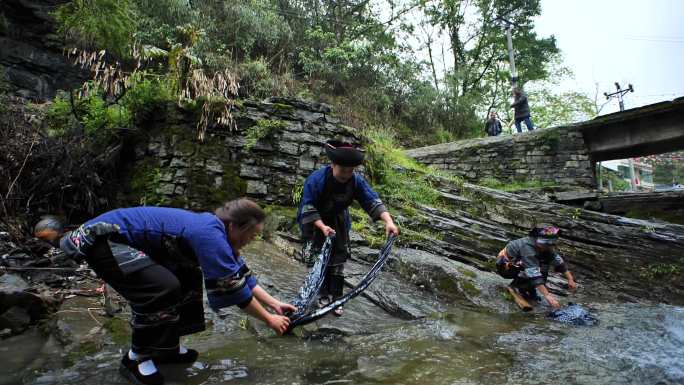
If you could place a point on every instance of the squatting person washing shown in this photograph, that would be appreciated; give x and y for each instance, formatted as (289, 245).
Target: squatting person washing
(527, 260)
(328, 193)
(157, 258)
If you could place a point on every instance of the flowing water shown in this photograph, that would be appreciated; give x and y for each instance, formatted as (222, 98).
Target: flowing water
(456, 344)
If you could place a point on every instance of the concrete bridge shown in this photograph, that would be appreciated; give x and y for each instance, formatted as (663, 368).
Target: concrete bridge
(563, 155)
(648, 130)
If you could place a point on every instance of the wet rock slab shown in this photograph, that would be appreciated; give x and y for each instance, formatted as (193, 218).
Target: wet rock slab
(19, 307)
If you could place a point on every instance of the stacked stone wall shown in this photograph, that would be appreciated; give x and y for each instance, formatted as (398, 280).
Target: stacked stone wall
(172, 167)
(556, 155)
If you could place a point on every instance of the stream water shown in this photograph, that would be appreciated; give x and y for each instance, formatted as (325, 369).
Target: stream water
(456, 344)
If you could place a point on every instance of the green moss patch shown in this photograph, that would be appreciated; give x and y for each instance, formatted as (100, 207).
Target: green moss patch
(119, 330)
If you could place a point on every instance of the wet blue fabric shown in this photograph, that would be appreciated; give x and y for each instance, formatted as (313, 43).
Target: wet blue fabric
(366, 280)
(313, 282)
(573, 314)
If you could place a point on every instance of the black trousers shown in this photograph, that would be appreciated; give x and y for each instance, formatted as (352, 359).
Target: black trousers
(525, 285)
(333, 282)
(165, 299)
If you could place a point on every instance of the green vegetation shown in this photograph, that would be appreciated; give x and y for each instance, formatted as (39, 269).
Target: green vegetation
(257, 80)
(490, 264)
(360, 63)
(262, 130)
(69, 114)
(616, 181)
(146, 95)
(668, 168)
(84, 349)
(396, 176)
(280, 218)
(297, 192)
(574, 213)
(119, 330)
(663, 270)
(403, 184)
(469, 288)
(99, 24)
(550, 108)
(145, 184)
(409, 235)
(4, 26)
(373, 233)
(468, 273)
(551, 138)
(91, 113)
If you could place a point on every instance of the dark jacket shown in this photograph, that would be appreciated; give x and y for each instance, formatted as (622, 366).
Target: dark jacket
(313, 208)
(534, 266)
(493, 127)
(522, 109)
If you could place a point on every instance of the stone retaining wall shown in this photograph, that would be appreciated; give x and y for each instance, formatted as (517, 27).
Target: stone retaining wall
(556, 155)
(172, 167)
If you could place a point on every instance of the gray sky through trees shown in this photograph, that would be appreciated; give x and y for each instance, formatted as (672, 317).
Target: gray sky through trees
(602, 41)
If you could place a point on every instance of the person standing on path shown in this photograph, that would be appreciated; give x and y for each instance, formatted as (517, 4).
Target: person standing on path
(522, 110)
(493, 125)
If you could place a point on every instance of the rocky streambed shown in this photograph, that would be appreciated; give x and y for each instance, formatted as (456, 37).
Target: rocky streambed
(410, 327)
(437, 313)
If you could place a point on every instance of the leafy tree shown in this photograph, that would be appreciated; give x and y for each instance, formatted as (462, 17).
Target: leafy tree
(550, 107)
(349, 52)
(556, 109)
(478, 48)
(668, 169)
(99, 24)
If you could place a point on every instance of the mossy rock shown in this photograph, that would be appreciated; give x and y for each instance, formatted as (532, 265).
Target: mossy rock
(672, 216)
(551, 138)
(83, 349)
(119, 330)
(143, 184)
(468, 273)
(283, 107)
(201, 189)
(280, 218)
(470, 289)
(447, 285)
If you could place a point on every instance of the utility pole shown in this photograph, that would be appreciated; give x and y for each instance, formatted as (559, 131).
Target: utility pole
(619, 94)
(508, 25)
(511, 58)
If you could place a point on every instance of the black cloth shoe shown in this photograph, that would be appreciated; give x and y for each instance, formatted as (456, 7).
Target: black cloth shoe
(186, 358)
(129, 369)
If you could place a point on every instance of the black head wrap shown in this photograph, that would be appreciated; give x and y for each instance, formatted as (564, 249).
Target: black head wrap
(343, 153)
